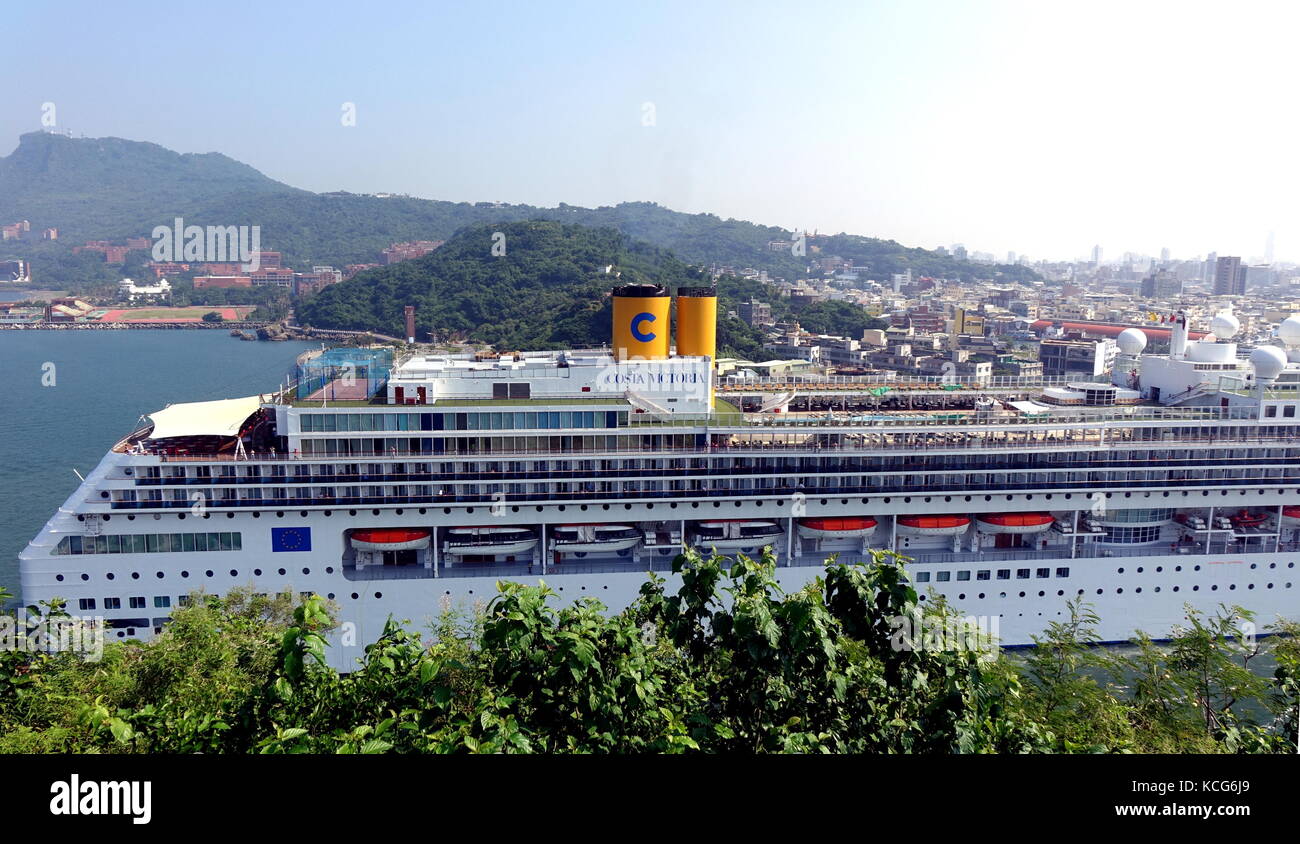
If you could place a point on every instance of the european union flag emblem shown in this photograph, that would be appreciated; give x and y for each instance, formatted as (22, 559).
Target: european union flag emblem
(291, 539)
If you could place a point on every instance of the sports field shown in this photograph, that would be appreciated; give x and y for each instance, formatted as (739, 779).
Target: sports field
(193, 314)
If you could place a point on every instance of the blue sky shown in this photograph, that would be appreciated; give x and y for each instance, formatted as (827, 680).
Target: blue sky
(1041, 128)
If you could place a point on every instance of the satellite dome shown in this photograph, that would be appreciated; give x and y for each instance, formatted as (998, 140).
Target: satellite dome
(1133, 340)
(1269, 361)
(1225, 326)
(1289, 330)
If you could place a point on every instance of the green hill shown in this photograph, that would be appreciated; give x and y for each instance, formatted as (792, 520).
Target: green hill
(110, 188)
(549, 290)
(104, 188)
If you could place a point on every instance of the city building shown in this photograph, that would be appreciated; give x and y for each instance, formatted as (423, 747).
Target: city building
(203, 281)
(755, 313)
(132, 292)
(1229, 276)
(15, 272)
(1161, 284)
(1077, 356)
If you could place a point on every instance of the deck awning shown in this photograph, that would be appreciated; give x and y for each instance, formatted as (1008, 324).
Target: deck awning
(203, 418)
(1030, 408)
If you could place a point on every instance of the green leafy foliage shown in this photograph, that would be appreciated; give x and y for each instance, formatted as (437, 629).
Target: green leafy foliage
(729, 663)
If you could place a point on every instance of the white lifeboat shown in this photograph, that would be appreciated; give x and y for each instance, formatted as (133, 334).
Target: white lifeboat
(736, 534)
(490, 541)
(594, 538)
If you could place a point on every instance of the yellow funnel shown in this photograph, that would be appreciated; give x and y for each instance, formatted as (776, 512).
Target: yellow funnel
(641, 322)
(697, 321)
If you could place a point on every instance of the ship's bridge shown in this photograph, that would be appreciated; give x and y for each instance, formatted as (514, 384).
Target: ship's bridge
(679, 384)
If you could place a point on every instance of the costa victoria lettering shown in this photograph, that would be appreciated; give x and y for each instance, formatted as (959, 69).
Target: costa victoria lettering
(653, 378)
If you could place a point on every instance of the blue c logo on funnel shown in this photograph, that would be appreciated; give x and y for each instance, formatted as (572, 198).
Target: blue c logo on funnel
(636, 332)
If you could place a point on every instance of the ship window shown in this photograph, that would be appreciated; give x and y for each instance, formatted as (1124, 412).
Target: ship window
(922, 577)
(1062, 572)
(963, 575)
(1022, 573)
(112, 603)
(982, 575)
(943, 576)
(1043, 573)
(521, 391)
(162, 601)
(137, 603)
(1270, 411)
(500, 390)
(1004, 574)
(86, 603)
(1289, 411)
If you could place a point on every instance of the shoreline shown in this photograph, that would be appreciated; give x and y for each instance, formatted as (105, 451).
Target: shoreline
(127, 326)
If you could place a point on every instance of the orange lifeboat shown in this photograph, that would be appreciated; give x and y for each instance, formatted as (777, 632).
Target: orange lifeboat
(932, 525)
(837, 528)
(1247, 519)
(1291, 516)
(1015, 522)
(390, 539)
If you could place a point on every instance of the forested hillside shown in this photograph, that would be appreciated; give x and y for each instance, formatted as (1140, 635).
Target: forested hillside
(549, 289)
(110, 188)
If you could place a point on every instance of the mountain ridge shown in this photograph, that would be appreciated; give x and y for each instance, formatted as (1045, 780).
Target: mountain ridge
(112, 188)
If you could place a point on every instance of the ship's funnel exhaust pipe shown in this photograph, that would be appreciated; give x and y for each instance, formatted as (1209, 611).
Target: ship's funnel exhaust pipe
(697, 321)
(641, 322)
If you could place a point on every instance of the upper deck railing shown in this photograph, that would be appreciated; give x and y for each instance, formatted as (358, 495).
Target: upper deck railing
(903, 382)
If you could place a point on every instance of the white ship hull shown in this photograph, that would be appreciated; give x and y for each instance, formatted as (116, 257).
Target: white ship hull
(1142, 589)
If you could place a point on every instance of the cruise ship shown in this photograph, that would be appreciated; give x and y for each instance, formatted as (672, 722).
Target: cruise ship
(399, 484)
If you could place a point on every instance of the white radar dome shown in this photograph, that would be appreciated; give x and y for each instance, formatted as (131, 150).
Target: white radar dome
(1289, 330)
(1225, 326)
(1132, 341)
(1269, 361)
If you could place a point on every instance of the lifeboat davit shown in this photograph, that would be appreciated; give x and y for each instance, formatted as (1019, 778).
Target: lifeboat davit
(1247, 519)
(1291, 516)
(490, 541)
(594, 538)
(736, 534)
(850, 527)
(932, 525)
(1015, 522)
(390, 539)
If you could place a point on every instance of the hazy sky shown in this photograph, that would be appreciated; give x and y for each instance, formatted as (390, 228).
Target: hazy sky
(1040, 127)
